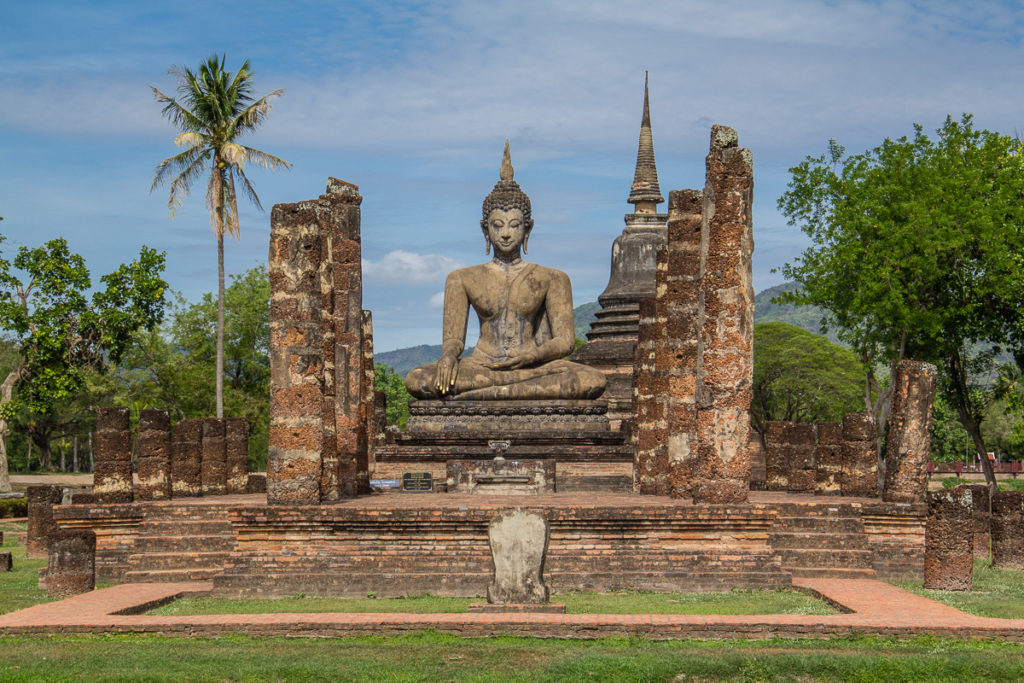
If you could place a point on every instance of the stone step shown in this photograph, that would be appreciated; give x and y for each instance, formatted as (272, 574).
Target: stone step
(185, 527)
(832, 573)
(178, 560)
(170, 575)
(183, 543)
(812, 540)
(853, 559)
(177, 513)
(849, 525)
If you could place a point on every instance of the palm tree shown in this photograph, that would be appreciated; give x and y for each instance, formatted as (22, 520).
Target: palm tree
(214, 109)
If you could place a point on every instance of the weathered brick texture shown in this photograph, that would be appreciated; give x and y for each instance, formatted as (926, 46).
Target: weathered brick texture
(186, 458)
(981, 510)
(910, 424)
(236, 447)
(317, 434)
(71, 567)
(154, 455)
(1008, 529)
(112, 456)
(828, 459)
(860, 456)
(214, 467)
(41, 526)
(949, 541)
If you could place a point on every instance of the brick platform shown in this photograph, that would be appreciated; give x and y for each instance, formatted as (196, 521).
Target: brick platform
(869, 606)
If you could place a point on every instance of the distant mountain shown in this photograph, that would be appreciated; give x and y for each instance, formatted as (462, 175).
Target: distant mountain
(806, 317)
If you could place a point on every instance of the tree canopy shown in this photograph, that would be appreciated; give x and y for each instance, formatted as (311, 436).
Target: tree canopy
(917, 252)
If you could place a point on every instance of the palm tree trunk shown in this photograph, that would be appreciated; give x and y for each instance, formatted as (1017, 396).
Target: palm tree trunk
(220, 320)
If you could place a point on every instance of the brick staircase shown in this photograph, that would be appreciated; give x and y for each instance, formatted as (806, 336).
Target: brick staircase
(822, 541)
(180, 543)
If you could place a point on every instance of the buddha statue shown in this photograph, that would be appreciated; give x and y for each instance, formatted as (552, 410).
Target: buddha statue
(526, 318)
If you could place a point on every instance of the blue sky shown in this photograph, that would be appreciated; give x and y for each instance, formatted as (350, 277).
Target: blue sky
(412, 101)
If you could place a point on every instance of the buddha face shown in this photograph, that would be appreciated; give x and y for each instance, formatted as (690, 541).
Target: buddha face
(506, 231)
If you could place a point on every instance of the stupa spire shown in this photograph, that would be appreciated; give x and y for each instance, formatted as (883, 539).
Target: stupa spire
(645, 193)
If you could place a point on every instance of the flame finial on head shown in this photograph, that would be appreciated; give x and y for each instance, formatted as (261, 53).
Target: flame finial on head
(506, 172)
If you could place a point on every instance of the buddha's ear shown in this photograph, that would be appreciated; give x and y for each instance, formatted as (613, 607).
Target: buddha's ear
(526, 235)
(487, 238)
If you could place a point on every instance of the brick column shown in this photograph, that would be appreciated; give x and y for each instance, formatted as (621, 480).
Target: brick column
(910, 424)
(236, 451)
(828, 459)
(860, 457)
(214, 466)
(981, 499)
(297, 352)
(949, 541)
(41, 526)
(71, 568)
(112, 457)
(186, 458)
(1008, 529)
(665, 429)
(776, 462)
(368, 421)
(154, 455)
(801, 440)
(725, 379)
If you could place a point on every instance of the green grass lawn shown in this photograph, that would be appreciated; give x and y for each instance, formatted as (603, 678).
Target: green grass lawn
(19, 588)
(997, 592)
(437, 657)
(624, 602)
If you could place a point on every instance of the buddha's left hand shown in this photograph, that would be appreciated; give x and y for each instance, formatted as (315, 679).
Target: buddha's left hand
(523, 360)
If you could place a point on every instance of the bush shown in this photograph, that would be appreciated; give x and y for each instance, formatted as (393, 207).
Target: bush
(14, 507)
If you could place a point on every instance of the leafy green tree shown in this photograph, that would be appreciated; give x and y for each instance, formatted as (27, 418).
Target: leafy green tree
(801, 377)
(214, 109)
(60, 335)
(165, 368)
(393, 385)
(916, 253)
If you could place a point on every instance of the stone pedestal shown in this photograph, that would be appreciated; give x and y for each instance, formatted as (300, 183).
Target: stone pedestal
(910, 424)
(112, 457)
(154, 455)
(949, 541)
(72, 563)
(501, 477)
(1008, 529)
(505, 419)
(186, 458)
(41, 526)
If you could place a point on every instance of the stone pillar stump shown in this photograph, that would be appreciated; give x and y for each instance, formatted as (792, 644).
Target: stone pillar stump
(112, 456)
(949, 541)
(1008, 529)
(72, 563)
(860, 456)
(214, 465)
(186, 458)
(910, 433)
(41, 526)
(154, 455)
(236, 446)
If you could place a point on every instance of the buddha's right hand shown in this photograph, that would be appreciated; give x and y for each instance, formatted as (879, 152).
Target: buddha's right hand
(447, 371)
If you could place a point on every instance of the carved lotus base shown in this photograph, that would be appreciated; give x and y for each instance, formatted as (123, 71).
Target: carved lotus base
(506, 418)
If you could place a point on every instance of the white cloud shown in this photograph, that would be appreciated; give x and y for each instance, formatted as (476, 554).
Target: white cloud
(437, 301)
(405, 267)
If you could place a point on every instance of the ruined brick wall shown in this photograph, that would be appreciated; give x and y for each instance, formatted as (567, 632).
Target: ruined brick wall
(949, 541)
(186, 458)
(776, 462)
(1008, 529)
(860, 456)
(828, 459)
(665, 427)
(801, 441)
(236, 451)
(910, 424)
(112, 457)
(41, 526)
(981, 510)
(214, 467)
(154, 455)
(317, 432)
(368, 422)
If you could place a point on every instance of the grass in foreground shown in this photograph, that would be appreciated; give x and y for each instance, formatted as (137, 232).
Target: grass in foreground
(625, 602)
(19, 587)
(997, 592)
(432, 656)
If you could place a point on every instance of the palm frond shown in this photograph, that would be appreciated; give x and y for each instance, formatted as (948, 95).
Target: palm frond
(231, 206)
(178, 114)
(264, 160)
(253, 116)
(175, 164)
(249, 190)
(215, 199)
(182, 184)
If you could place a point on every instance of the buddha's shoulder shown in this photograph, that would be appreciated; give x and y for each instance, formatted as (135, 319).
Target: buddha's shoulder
(551, 274)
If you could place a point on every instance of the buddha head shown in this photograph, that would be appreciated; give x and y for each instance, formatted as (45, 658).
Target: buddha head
(506, 205)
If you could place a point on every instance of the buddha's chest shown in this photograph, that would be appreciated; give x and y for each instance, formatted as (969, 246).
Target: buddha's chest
(506, 295)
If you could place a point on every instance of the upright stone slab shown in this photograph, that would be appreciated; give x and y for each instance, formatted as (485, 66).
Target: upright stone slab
(665, 426)
(949, 541)
(154, 455)
(828, 459)
(860, 456)
(41, 526)
(776, 461)
(112, 456)
(801, 440)
(186, 458)
(71, 567)
(214, 469)
(910, 433)
(236, 447)
(518, 540)
(981, 510)
(726, 373)
(1008, 529)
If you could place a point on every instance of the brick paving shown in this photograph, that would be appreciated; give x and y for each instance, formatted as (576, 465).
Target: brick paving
(870, 607)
